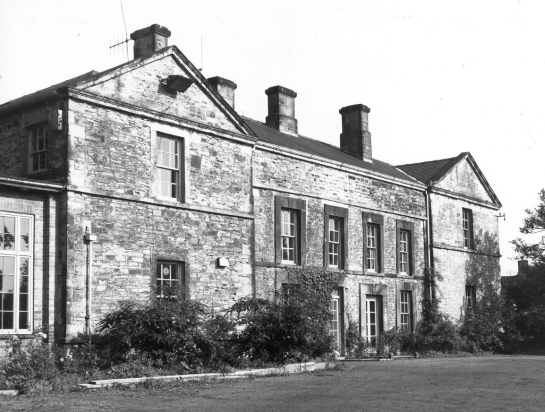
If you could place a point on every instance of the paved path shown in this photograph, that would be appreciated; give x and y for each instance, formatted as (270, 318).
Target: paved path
(488, 383)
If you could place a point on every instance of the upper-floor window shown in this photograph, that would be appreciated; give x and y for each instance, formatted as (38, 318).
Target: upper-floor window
(290, 230)
(169, 167)
(404, 236)
(335, 236)
(373, 242)
(371, 258)
(467, 228)
(38, 148)
(15, 273)
(290, 234)
(334, 241)
(405, 249)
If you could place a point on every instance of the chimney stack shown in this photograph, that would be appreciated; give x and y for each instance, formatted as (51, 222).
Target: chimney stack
(355, 136)
(226, 89)
(147, 41)
(282, 109)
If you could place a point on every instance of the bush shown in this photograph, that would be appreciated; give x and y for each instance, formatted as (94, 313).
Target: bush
(38, 367)
(292, 327)
(167, 331)
(357, 346)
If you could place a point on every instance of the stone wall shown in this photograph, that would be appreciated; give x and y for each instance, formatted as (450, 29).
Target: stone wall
(133, 235)
(15, 142)
(458, 267)
(142, 87)
(319, 185)
(113, 153)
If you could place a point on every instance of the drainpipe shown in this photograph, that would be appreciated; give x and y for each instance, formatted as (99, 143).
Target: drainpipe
(430, 236)
(89, 239)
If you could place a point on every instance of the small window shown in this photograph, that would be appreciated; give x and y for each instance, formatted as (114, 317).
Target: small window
(170, 278)
(470, 297)
(467, 228)
(289, 236)
(372, 254)
(169, 167)
(405, 310)
(38, 148)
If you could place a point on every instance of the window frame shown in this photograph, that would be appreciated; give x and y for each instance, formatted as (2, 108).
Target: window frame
(18, 255)
(340, 213)
(299, 206)
(377, 221)
(470, 293)
(181, 268)
(402, 225)
(181, 189)
(31, 153)
(469, 229)
(411, 288)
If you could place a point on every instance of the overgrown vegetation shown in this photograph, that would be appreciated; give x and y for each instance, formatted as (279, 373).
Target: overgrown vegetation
(174, 335)
(525, 293)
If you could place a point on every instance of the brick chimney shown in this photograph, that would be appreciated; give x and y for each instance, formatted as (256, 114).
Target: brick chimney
(282, 109)
(226, 89)
(147, 41)
(355, 138)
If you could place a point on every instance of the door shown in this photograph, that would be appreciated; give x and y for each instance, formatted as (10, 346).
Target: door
(372, 319)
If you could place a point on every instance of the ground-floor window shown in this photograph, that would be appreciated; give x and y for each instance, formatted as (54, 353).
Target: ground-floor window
(334, 326)
(170, 278)
(15, 272)
(372, 319)
(405, 310)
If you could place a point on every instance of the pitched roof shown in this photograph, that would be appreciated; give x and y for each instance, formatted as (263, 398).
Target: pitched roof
(432, 171)
(314, 147)
(45, 94)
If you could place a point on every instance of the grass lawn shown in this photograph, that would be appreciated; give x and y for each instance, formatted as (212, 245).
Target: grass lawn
(475, 383)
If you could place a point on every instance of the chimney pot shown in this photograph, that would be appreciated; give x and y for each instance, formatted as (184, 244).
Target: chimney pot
(150, 39)
(281, 101)
(226, 89)
(355, 136)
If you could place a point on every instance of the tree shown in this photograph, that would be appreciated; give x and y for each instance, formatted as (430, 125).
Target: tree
(526, 292)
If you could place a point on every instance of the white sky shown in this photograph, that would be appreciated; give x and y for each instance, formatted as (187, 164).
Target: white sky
(440, 77)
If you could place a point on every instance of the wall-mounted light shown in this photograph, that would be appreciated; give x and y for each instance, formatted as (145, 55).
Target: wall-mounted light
(177, 82)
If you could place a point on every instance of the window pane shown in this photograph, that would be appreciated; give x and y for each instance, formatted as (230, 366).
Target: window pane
(24, 232)
(7, 301)
(7, 320)
(23, 320)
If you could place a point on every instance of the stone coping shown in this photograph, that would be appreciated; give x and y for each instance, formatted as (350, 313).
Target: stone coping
(244, 374)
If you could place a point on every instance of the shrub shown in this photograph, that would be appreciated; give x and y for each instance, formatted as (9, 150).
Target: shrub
(294, 326)
(357, 346)
(168, 331)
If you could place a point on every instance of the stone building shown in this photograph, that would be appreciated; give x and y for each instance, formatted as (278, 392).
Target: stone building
(144, 176)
